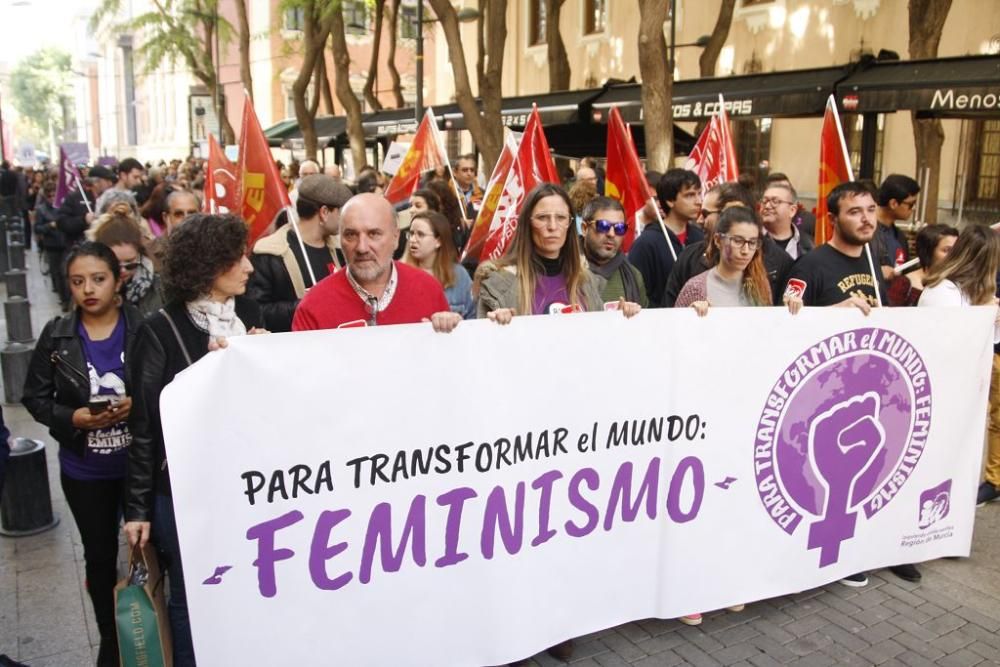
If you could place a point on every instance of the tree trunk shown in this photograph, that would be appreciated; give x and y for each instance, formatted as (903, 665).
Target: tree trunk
(559, 70)
(486, 130)
(244, 30)
(927, 19)
(314, 35)
(325, 86)
(481, 44)
(657, 85)
(720, 33)
(370, 96)
(317, 86)
(397, 85)
(352, 107)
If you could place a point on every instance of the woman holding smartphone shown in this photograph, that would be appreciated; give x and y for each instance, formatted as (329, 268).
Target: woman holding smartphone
(76, 386)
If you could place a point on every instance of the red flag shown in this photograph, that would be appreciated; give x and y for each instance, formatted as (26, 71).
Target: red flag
(261, 194)
(220, 180)
(532, 166)
(624, 178)
(834, 167)
(424, 154)
(714, 156)
(492, 197)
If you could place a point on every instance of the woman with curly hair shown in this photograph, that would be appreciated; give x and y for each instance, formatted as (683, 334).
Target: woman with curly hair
(205, 275)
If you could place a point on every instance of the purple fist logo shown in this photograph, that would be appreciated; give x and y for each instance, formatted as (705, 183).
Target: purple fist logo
(841, 432)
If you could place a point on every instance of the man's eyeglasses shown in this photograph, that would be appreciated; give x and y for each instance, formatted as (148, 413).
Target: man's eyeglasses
(605, 226)
(909, 203)
(705, 212)
(738, 242)
(773, 201)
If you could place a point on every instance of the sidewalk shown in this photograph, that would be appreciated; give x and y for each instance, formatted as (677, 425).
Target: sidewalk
(951, 618)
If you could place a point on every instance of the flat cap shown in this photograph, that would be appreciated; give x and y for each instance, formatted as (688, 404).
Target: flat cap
(101, 172)
(323, 189)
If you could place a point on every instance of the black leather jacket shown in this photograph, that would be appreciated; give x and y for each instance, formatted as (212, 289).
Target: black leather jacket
(157, 358)
(58, 384)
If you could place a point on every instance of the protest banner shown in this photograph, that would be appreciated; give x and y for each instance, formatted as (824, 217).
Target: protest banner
(414, 512)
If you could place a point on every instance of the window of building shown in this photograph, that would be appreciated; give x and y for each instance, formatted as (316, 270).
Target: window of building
(854, 125)
(295, 18)
(752, 137)
(595, 16)
(985, 189)
(355, 17)
(407, 22)
(536, 22)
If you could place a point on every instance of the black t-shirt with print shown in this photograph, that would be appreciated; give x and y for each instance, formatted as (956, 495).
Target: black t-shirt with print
(830, 277)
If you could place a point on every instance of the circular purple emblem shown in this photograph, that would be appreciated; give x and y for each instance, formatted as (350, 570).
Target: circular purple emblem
(842, 430)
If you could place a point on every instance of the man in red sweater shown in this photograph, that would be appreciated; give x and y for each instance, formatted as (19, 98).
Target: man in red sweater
(373, 289)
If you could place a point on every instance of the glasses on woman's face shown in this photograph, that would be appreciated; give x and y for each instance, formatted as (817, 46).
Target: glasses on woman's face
(738, 242)
(605, 226)
(544, 220)
(130, 266)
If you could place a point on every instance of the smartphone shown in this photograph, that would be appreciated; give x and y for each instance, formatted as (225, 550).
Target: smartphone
(99, 405)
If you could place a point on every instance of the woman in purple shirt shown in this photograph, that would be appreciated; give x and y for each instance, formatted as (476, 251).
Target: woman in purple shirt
(76, 387)
(544, 270)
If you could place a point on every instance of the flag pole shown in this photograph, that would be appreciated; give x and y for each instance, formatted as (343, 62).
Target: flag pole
(850, 176)
(293, 217)
(447, 163)
(79, 185)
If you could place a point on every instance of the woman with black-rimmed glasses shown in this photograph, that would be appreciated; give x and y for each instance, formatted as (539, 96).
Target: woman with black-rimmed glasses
(738, 276)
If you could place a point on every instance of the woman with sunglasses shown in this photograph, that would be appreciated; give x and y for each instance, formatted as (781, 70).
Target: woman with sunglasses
(430, 247)
(205, 276)
(77, 386)
(141, 285)
(542, 271)
(738, 276)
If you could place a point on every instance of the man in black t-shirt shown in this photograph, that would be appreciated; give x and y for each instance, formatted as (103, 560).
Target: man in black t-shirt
(839, 273)
(281, 276)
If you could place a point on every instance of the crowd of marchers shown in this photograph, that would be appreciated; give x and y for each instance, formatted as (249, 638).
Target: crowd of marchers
(150, 284)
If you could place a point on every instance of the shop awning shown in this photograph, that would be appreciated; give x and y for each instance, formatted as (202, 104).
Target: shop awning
(330, 130)
(782, 94)
(946, 87)
(563, 108)
(280, 131)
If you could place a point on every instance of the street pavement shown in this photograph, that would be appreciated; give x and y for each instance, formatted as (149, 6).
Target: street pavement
(951, 619)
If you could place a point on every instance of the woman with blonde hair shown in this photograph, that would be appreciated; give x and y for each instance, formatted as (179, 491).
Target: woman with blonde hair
(967, 276)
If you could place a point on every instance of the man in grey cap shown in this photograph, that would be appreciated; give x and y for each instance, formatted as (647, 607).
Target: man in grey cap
(281, 276)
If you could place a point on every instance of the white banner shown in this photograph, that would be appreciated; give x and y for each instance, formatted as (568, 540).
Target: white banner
(392, 496)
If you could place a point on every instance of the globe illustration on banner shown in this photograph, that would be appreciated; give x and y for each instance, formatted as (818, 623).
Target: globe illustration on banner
(852, 376)
(837, 437)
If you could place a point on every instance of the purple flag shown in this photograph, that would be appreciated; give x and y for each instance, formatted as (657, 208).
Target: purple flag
(69, 177)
